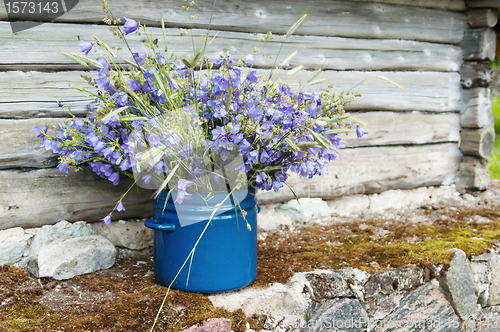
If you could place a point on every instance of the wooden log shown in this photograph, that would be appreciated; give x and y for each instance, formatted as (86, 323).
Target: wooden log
(457, 5)
(35, 94)
(34, 49)
(474, 174)
(41, 197)
(482, 3)
(482, 18)
(328, 18)
(476, 74)
(477, 142)
(20, 148)
(376, 169)
(476, 108)
(479, 44)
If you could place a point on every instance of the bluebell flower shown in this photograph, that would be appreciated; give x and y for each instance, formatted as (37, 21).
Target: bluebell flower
(360, 131)
(85, 46)
(182, 194)
(115, 178)
(40, 131)
(139, 57)
(107, 220)
(134, 85)
(249, 60)
(120, 207)
(147, 178)
(130, 25)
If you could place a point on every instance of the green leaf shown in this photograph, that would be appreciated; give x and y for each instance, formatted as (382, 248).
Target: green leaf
(291, 144)
(321, 80)
(307, 145)
(297, 24)
(72, 58)
(336, 131)
(134, 118)
(313, 76)
(383, 78)
(295, 70)
(87, 60)
(115, 112)
(322, 140)
(288, 58)
(361, 123)
(163, 30)
(103, 45)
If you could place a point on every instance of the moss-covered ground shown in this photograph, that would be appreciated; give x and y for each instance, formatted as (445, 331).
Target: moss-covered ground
(126, 298)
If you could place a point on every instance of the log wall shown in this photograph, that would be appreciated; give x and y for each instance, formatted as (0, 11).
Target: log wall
(414, 132)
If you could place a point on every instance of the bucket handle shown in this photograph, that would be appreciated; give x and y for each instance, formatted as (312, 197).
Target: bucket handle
(151, 223)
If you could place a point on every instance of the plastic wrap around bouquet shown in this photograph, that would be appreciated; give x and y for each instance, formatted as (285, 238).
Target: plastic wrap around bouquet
(205, 136)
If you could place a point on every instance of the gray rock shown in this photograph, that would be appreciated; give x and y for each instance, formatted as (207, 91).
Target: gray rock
(65, 258)
(339, 283)
(481, 268)
(494, 289)
(400, 279)
(212, 325)
(378, 307)
(422, 309)
(459, 285)
(61, 230)
(305, 209)
(127, 234)
(338, 315)
(13, 243)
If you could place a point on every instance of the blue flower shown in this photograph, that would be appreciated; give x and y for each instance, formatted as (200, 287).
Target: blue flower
(107, 220)
(181, 190)
(120, 207)
(134, 85)
(139, 57)
(248, 60)
(85, 46)
(40, 131)
(360, 131)
(129, 26)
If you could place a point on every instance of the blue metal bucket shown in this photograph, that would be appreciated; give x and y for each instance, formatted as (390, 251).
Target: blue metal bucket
(226, 255)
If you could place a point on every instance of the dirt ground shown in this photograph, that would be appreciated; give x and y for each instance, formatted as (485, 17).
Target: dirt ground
(126, 298)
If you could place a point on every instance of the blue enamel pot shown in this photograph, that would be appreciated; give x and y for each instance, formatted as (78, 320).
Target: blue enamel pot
(225, 254)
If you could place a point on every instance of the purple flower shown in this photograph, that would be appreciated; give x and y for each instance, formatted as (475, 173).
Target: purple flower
(85, 46)
(129, 26)
(104, 71)
(139, 57)
(237, 70)
(249, 60)
(134, 85)
(218, 131)
(360, 131)
(115, 178)
(40, 131)
(147, 178)
(181, 190)
(120, 207)
(252, 76)
(107, 220)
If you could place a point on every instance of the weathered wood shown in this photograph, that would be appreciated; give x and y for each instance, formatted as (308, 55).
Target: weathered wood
(477, 142)
(479, 44)
(482, 3)
(20, 148)
(474, 174)
(34, 94)
(457, 5)
(482, 18)
(328, 18)
(476, 108)
(34, 49)
(376, 169)
(42, 197)
(476, 74)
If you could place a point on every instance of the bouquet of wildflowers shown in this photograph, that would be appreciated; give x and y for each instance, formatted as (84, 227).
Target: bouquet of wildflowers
(188, 125)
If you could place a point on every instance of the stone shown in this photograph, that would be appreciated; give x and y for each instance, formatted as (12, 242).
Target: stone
(422, 309)
(65, 258)
(126, 234)
(284, 303)
(61, 230)
(327, 284)
(458, 283)
(481, 268)
(494, 289)
(379, 307)
(268, 219)
(304, 210)
(338, 315)
(13, 244)
(212, 325)
(400, 279)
